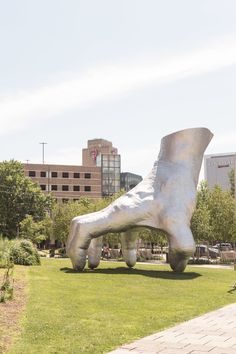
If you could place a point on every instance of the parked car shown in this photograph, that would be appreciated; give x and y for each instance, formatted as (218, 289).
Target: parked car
(224, 246)
(201, 250)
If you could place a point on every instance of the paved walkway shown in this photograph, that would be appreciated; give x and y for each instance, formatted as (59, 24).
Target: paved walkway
(213, 333)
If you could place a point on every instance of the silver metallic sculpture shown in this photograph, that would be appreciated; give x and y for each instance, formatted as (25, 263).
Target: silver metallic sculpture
(165, 200)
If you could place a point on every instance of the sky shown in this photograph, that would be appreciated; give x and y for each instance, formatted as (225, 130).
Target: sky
(129, 71)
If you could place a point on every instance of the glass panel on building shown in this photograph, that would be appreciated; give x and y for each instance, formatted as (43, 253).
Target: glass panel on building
(87, 188)
(42, 174)
(54, 187)
(54, 174)
(43, 187)
(65, 174)
(110, 174)
(65, 188)
(76, 175)
(87, 175)
(76, 188)
(65, 200)
(32, 173)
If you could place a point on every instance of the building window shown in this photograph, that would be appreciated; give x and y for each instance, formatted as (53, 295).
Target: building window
(43, 187)
(76, 188)
(54, 187)
(75, 200)
(54, 174)
(32, 173)
(65, 188)
(65, 200)
(76, 175)
(65, 175)
(42, 174)
(87, 175)
(87, 188)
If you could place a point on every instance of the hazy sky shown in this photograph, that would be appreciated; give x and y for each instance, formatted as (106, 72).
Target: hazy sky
(130, 71)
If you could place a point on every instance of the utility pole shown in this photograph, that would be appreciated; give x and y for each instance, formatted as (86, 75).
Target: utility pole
(43, 149)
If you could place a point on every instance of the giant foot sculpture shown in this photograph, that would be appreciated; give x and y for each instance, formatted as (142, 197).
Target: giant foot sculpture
(165, 200)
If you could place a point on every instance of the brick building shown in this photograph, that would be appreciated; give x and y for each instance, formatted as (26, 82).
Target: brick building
(99, 175)
(66, 182)
(102, 153)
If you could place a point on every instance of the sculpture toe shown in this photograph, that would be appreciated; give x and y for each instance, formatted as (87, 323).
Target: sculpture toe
(178, 261)
(129, 248)
(79, 259)
(130, 257)
(94, 252)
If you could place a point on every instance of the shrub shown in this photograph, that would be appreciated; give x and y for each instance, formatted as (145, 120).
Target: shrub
(62, 252)
(23, 252)
(199, 261)
(5, 247)
(6, 289)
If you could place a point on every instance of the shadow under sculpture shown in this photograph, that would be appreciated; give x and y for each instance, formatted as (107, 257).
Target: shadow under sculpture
(165, 200)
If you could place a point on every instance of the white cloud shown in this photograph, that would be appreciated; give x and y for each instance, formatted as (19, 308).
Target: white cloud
(107, 82)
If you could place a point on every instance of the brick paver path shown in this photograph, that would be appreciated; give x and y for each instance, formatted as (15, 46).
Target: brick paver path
(214, 333)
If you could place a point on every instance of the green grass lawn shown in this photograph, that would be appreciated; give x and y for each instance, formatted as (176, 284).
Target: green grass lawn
(96, 311)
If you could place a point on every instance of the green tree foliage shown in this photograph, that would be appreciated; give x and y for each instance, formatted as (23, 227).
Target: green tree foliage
(153, 236)
(232, 181)
(63, 214)
(200, 224)
(201, 220)
(19, 197)
(214, 217)
(222, 210)
(36, 231)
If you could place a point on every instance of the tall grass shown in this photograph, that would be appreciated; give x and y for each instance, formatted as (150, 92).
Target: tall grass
(5, 250)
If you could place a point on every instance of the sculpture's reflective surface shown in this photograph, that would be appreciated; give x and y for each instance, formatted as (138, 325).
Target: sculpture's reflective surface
(165, 199)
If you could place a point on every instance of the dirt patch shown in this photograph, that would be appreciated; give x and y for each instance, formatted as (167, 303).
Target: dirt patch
(10, 312)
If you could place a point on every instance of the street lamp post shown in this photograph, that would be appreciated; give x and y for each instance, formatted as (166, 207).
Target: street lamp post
(43, 143)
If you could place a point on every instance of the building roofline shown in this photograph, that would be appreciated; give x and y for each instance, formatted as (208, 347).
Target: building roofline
(56, 164)
(224, 154)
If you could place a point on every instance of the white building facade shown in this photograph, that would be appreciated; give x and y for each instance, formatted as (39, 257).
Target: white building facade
(217, 168)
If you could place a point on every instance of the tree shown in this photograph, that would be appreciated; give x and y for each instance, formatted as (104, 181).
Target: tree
(19, 196)
(36, 231)
(62, 215)
(153, 236)
(222, 211)
(214, 217)
(232, 182)
(201, 220)
(201, 224)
